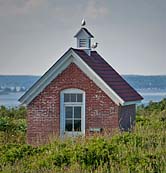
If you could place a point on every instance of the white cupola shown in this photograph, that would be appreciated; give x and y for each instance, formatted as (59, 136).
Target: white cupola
(83, 37)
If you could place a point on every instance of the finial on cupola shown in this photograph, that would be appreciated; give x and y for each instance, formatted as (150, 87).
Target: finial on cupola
(83, 37)
(83, 23)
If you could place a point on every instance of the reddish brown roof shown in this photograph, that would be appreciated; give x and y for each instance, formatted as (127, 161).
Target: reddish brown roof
(109, 75)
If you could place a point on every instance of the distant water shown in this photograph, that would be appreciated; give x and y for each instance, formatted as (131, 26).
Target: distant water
(152, 95)
(11, 99)
(152, 88)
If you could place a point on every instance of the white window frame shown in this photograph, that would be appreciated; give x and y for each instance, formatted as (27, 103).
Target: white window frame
(63, 104)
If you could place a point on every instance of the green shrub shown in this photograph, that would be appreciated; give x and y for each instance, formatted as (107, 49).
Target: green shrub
(141, 151)
(17, 113)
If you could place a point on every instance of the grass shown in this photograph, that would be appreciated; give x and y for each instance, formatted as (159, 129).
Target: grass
(141, 151)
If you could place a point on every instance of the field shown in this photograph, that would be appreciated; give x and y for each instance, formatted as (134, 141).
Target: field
(143, 150)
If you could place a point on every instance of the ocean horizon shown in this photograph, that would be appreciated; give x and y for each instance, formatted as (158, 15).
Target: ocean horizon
(152, 88)
(11, 99)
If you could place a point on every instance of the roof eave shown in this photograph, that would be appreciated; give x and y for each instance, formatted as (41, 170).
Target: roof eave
(45, 79)
(131, 103)
(111, 93)
(62, 64)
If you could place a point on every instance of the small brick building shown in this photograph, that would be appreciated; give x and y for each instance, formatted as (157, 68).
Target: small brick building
(79, 95)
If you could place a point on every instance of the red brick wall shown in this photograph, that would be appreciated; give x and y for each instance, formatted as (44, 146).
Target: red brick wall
(44, 110)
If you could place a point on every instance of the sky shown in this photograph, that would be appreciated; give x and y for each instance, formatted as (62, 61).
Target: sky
(131, 34)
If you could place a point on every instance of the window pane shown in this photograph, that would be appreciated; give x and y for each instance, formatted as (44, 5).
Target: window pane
(73, 97)
(77, 112)
(69, 112)
(68, 126)
(66, 97)
(79, 97)
(77, 125)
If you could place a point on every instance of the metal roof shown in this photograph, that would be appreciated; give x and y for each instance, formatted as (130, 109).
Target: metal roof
(109, 75)
(119, 90)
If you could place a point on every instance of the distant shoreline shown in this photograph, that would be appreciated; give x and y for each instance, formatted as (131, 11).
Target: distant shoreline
(152, 88)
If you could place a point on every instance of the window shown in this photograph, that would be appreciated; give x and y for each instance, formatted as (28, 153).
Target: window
(73, 118)
(72, 97)
(72, 112)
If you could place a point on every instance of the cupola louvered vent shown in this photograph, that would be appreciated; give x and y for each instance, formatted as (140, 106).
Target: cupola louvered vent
(82, 43)
(83, 37)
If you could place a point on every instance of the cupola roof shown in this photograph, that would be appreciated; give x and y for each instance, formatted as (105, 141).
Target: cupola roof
(85, 31)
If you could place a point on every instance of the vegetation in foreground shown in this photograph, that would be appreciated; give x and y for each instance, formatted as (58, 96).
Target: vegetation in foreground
(140, 151)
